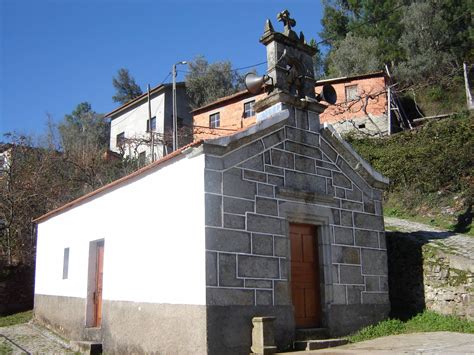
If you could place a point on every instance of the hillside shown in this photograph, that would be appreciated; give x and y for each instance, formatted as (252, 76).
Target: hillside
(430, 169)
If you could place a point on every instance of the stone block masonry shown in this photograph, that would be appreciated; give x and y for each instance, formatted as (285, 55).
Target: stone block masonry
(247, 242)
(431, 270)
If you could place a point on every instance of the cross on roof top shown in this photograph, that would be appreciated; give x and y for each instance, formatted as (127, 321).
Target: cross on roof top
(288, 22)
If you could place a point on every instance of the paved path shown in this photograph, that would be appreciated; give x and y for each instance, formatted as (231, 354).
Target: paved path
(30, 339)
(460, 244)
(416, 343)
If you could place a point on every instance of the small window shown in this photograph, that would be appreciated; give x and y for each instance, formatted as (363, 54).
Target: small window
(248, 109)
(120, 139)
(66, 264)
(362, 125)
(214, 120)
(151, 126)
(142, 158)
(351, 92)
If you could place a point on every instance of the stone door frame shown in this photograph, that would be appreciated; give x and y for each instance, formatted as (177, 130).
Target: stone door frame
(321, 217)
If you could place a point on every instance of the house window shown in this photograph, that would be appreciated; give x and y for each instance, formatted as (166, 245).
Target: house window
(351, 92)
(151, 126)
(66, 264)
(120, 139)
(248, 109)
(142, 158)
(214, 120)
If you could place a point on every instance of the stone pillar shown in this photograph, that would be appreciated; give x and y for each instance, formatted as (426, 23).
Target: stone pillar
(263, 340)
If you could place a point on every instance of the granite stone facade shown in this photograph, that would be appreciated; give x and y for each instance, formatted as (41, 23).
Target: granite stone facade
(292, 172)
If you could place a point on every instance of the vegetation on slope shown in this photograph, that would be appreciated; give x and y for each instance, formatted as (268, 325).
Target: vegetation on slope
(430, 171)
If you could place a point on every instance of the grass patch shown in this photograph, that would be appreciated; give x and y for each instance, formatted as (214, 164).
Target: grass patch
(427, 321)
(17, 318)
(5, 348)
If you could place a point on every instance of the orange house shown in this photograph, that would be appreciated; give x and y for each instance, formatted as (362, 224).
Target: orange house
(225, 116)
(361, 105)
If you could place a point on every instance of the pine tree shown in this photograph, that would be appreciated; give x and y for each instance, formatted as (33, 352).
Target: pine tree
(125, 86)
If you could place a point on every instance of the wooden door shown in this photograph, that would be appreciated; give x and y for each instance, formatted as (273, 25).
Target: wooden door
(98, 284)
(305, 287)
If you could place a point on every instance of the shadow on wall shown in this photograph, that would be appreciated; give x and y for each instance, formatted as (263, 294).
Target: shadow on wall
(405, 271)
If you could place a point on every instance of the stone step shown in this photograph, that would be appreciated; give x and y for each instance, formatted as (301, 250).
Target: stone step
(318, 344)
(87, 347)
(312, 334)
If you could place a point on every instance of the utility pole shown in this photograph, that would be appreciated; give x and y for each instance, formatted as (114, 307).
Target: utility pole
(175, 108)
(152, 135)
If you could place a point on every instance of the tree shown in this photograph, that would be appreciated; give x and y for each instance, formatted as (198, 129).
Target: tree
(125, 86)
(428, 44)
(419, 36)
(206, 82)
(41, 175)
(354, 55)
(318, 60)
(334, 23)
(375, 19)
(29, 186)
(84, 142)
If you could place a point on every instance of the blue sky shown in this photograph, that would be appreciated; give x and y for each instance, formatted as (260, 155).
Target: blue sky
(55, 54)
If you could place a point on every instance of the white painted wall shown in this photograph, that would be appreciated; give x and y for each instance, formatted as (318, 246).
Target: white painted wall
(133, 123)
(154, 240)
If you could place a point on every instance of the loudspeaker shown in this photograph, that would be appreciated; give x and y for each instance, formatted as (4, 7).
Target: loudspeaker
(254, 83)
(328, 94)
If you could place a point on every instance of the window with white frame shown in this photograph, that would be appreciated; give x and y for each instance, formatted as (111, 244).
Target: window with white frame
(351, 92)
(248, 109)
(214, 120)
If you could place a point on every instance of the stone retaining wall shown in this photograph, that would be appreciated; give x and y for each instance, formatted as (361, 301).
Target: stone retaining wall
(430, 271)
(449, 282)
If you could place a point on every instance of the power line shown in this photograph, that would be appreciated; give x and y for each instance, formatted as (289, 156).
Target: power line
(250, 66)
(166, 78)
(233, 70)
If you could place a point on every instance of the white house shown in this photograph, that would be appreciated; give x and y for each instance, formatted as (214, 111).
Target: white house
(131, 128)
(282, 219)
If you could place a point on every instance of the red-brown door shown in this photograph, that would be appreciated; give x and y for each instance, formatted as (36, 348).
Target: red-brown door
(305, 287)
(98, 285)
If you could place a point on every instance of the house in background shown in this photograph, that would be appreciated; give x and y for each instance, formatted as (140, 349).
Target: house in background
(131, 128)
(286, 221)
(362, 104)
(225, 116)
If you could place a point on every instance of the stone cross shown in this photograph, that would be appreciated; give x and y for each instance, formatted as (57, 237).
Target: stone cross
(288, 22)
